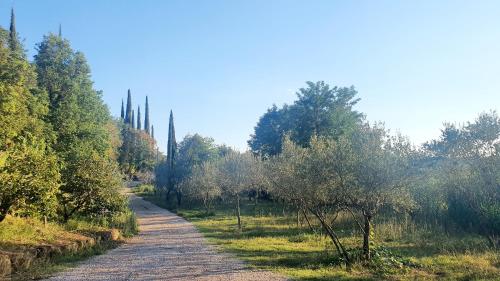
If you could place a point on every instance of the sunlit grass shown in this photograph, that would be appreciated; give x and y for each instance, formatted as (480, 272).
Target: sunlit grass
(271, 241)
(21, 234)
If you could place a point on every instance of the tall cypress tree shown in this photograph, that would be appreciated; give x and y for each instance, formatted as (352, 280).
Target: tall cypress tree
(122, 113)
(60, 31)
(152, 132)
(128, 113)
(172, 144)
(14, 43)
(132, 121)
(138, 118)
(171, 151)
(146, 117)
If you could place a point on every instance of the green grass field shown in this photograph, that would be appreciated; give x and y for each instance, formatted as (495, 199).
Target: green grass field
(273, 241)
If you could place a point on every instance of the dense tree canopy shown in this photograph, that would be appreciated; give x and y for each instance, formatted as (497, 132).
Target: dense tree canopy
(29, 172)
(319, 111)
(58, 142)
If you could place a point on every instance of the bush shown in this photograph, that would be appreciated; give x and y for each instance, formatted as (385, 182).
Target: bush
(144, 189)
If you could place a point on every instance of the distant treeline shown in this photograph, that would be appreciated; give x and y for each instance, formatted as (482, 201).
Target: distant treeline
(138, 154)
(321, 157)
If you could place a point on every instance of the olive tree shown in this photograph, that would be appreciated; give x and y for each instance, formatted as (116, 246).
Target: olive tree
(236, 175)
(202, 184)
(468, 158)
(380, 175)
(313, 179)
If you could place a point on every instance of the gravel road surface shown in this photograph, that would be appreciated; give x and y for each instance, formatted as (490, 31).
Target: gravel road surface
(167, 248)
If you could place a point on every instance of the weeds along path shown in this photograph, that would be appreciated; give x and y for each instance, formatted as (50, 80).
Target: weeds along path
(167, 248)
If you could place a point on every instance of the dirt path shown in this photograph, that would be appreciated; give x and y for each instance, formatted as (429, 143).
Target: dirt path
(167, 248)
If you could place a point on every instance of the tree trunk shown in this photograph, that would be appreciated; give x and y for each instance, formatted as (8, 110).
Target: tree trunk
(308, 222)
(179, 198)
(494, 240)
(298, 218)
(335, 239)
(238, 213)
(167, 196)
(366, 236)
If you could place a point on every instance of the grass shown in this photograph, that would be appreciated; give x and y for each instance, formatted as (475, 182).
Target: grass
(272, 241)
(18, 234)
(62, 262)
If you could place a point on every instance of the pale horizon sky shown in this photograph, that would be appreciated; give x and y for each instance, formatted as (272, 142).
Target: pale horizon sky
(220, 64)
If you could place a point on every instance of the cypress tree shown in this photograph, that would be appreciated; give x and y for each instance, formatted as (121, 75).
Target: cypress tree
(122, 113)
(146, 117)
(152, 132)
(128, 113)
(171, 151)
(14, 43)
(60, 31)
(171, 145)
(132, 121)
(138, 118)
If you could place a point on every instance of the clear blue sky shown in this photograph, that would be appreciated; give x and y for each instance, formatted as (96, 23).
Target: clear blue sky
(220, 64)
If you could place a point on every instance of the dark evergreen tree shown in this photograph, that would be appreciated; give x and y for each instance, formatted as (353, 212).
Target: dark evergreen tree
(122, 113)
(128, 113)
(132, 121)
(171, 155)
(14, 43)
(146, 117)
(152, 132)
(60, 31)
(138, 118)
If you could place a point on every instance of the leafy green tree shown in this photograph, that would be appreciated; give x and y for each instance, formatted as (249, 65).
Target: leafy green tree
(193, 152)
(313, 179)
(319, 111)
(81, 119)
(323, 111)
(381, 176)
(93, 190)
(29, 173)
(236, 176)
(269, 132)
(137, 154)
(203, 184)
(468, 160)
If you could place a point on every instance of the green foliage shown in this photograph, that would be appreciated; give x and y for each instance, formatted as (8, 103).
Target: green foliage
(90, 179)
(319, 111)
(144, 189)
(194, 150)
(92, 187)
(468, 158)
(29, 173)
(138, 152)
